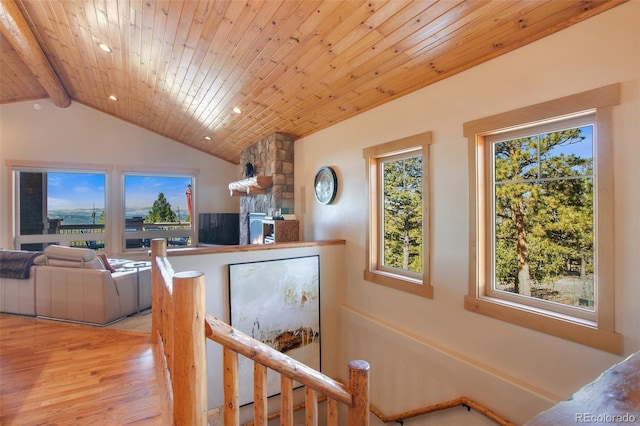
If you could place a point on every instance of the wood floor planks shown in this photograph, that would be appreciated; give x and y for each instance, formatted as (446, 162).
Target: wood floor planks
(54, 373)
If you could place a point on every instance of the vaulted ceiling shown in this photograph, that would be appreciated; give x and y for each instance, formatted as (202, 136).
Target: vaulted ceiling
(179, 68)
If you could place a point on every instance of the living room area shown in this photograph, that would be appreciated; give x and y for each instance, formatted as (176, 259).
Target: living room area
(73, 284)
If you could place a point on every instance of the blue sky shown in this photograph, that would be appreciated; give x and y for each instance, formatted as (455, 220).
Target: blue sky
(75, 190)
(87, 190)
(142, 191)
(583, 149)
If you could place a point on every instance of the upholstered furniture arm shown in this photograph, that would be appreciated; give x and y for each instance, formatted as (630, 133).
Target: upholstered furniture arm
(85, 295)
(126, 283)
(18, 296)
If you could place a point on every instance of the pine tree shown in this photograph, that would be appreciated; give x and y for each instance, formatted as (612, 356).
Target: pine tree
(403, 214)
(544, 211)
(161, 211)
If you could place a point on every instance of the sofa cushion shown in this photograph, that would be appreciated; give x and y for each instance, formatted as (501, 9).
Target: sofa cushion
(94, 263)
(69, 253)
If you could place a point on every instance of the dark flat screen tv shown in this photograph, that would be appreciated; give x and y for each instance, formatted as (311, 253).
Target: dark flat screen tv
(219, 228)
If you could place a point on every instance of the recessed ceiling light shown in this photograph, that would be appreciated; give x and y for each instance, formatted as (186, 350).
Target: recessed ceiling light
(104, 47)
(113, 97)
(207, 138)
(237, 110)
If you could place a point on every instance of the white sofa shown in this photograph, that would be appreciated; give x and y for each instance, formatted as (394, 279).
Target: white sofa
(73, 284)
(17, 296)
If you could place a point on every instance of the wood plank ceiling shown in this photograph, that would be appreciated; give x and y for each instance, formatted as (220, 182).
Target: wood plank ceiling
(178, 68)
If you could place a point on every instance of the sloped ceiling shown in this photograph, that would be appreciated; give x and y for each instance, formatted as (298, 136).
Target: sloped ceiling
(179, 68)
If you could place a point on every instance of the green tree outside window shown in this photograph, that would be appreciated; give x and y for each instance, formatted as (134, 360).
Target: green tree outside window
(161, 211)
(543, 187)
(402, 214)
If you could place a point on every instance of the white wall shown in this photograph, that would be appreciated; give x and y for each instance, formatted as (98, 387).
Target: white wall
(332, 295)
(82, 135)
(426, 351)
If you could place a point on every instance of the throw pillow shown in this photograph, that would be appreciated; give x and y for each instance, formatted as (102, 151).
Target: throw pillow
(105, 262)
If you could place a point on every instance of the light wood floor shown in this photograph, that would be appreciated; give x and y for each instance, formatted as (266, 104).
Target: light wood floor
(54, 373)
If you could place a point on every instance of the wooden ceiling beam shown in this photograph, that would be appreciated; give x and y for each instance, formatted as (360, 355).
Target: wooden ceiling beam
(15, 29)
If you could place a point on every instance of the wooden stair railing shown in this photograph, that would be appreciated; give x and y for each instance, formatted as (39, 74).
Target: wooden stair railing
(462, 401)
(177, 326)
(355, 395)
(180, 327)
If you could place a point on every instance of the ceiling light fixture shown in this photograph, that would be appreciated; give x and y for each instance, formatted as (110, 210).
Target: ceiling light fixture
(104, 47)
(113, 97)
(237, 110)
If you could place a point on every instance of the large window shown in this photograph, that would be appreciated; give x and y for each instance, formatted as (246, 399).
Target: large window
(542, 235)
(542, 211)
(59, 204)
(59, 207)
(157, 206)
(397, 242)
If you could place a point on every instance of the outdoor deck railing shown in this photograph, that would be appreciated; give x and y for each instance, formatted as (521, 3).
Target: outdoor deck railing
(138, 234)
(99, 228)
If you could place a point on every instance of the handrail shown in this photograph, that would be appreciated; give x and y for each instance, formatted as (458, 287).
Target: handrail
(399, 418)
(243, 344)
(355, 396)
(463, 401)
(179, 321)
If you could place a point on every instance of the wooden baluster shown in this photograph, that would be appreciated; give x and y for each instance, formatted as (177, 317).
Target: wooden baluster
(359, 386)
(332, 412)
(231, 396)
(190, 364)
(158, 248)
(286, 395)
(260, 413)
(158, 310)
(166, 325)
(169, 334)
(311, 406)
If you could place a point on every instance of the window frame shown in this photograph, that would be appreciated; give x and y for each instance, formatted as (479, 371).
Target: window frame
(410, 282)
(46, 238)
(600, 332)
(114, 234)
(151, 234)
(582, 119)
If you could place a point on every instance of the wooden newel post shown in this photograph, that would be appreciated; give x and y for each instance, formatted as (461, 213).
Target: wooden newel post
(359, 387)
(189, 376)
(158, 248)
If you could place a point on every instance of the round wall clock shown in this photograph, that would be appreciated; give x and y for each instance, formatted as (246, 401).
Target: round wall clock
(325, 185)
